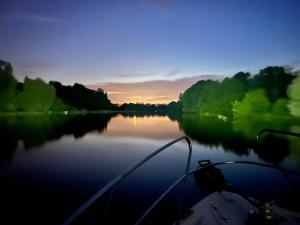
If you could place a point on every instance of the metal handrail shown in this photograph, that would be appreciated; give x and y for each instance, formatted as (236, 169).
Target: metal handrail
(245, 162)
(161, 197)
(124, 174)
(275, 132)
(203, 167)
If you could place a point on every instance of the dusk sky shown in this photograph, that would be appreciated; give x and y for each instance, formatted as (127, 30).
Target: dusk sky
(146, 50)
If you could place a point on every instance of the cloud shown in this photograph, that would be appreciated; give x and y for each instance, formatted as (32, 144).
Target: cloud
(173, 73)
(134, 74)
(29, 17)
(152, 91)
(296, 64)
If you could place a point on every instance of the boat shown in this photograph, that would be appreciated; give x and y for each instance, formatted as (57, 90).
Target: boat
(226, 205)
(222, 204)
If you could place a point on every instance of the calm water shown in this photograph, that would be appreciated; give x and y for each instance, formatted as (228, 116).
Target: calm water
(49, 165)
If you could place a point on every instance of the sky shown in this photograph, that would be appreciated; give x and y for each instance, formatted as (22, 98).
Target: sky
(146, 50)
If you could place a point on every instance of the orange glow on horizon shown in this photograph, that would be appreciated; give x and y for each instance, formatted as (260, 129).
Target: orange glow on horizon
(152, 91)
(154, 102)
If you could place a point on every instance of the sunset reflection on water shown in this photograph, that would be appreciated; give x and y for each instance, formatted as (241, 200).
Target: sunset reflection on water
(154, 127)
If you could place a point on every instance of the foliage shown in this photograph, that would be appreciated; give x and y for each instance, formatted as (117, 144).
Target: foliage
(8, 86)
(37, 96)
(244, 95)
(280, 108)
(219, 100)
(191, 96)
(213, 97)
(174, 107)
(80, 97)
(34, 95)
(294, 94)
(275, 80)
(147, 108)
(255, 103)
(58, 106)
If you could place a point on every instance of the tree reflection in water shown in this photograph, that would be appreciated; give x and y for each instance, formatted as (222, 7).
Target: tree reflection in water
(239, 137)
(35, 130)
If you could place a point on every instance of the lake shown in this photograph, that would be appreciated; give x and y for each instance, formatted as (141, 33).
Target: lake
(51, 164)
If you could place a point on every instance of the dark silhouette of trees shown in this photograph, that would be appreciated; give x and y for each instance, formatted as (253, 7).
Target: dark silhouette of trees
(80, 97)
(240, 96)
(8, 86)
(36, 130)
(143, 109)
(275, 80)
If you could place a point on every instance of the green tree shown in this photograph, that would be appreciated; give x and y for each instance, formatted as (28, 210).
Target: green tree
(294, 95)
(275, 80)
(214, 97)
(221, 95)
(280, 108)
(8, 85)
(58, 105)
(255, 103)
(193, 95)
(36, 96)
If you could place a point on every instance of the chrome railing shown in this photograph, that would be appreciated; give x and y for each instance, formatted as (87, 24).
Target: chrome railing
(110, 186)
(268, 130)
(247, 163)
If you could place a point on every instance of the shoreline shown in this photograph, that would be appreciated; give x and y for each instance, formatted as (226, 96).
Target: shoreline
(79, 112)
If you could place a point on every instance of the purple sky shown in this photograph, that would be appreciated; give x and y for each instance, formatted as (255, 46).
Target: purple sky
(138, 41)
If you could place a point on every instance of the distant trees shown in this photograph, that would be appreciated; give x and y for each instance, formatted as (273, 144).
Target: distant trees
(8, 86)
(274, 91)
(34, 95)
(244, 95)
(80, 97)
(174, 107)
(275, 80)
(213, 97)
(147, 108)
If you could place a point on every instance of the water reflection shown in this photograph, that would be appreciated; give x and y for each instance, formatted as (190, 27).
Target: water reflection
(238, 137)
(87, 151)
(35, 130)
(151, 127)
(214, 133)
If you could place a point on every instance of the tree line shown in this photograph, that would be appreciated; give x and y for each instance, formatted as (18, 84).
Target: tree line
(274, 91)
(35, 95)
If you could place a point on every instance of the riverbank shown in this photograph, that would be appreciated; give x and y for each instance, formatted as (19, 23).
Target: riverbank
(76, 112)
